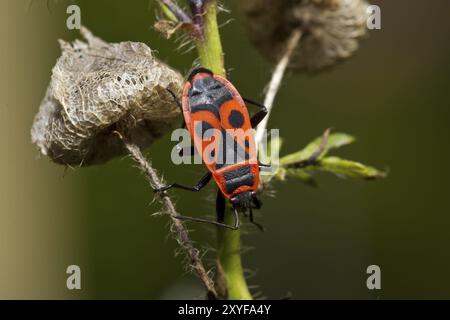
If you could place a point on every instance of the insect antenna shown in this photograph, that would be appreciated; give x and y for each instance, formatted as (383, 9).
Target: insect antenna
(260, 227)
(235, 227)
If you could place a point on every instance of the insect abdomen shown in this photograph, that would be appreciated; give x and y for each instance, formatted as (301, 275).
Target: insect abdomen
(235, 178)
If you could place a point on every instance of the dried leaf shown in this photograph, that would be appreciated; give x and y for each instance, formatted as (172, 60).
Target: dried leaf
(94, 87)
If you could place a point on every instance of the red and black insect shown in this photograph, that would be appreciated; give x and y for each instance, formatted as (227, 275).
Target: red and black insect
(213, 111)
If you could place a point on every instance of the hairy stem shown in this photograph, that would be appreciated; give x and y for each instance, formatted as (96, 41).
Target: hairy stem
(229, 264)
(210, 46)
(275, 82)
(178, 230)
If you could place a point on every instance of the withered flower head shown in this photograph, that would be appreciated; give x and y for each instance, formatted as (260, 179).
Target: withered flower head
(330, 29)
(95, 87)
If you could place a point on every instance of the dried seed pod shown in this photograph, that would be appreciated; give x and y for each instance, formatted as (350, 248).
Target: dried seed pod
(95, 87)
(330, 29)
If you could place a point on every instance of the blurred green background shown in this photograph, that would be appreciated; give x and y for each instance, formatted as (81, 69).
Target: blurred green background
(392, 95)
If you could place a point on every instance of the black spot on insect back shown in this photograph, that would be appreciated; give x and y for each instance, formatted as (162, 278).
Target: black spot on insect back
(206, 107)
(236, 119)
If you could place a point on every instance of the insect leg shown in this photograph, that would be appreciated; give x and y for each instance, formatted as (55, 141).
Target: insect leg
(183, 124)
(257, 117)
(256, 104)
(220, 206)
(260, 227)
(236, 219)
(177, 101)
(257, 202)
(220, 210)
(200, 184)
(235, 227)
(263, 165)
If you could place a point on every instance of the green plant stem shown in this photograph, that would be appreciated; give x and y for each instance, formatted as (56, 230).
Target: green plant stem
(229, 258)
(210, 46)
(229, 241)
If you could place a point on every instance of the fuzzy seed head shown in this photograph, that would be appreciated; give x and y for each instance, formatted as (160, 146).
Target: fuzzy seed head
(330, 29)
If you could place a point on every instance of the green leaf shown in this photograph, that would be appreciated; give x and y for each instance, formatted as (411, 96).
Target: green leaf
(302, 175)
(335, 140)
(302, 164)
(348, 168)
